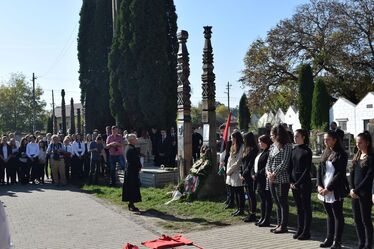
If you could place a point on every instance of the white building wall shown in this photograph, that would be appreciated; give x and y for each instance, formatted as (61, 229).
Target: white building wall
(364, 111)
(292, 118)
(279, 117)
(344, 110)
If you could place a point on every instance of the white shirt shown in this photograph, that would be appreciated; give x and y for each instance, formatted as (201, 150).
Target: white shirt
(256, 162)
(330, 197)
(42, 156)
(68, 148)
(5, 152)
(78, 150)
(32, 150)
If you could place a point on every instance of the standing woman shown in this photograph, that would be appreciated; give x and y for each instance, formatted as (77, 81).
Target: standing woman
(32, 152)
(249, 156)
(12, 168)
(361, 178)
(277, 173)
(223, 164)
(56, 152)
(131, 184)
(332, 184)
(301, 183)
(68, 153)
(24, 167)
(5, 153)
(259, 176)
(233, 178)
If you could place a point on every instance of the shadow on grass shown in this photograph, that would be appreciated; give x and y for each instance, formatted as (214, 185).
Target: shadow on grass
(96, 191)
(168, 217)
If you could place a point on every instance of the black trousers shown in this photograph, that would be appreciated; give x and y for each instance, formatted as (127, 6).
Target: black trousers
(94, 171)
(67, 161)
(230, 195)
(11, 170)
(2, 171)
(77, 167)
(266, 201)
(335, 220)
(250, 190)
(239, 197)
(25, 172)
(279, 192)
(302, 197)
(35, 169)
(362, 215)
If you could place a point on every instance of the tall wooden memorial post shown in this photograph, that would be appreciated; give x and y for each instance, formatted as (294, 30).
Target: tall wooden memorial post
(63, 112)
(184, 126)
(214, 183)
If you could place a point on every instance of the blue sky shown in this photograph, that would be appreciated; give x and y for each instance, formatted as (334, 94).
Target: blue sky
(40, 36)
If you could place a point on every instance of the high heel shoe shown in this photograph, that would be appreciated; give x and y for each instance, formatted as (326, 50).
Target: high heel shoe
(336, 245)
(326, 243)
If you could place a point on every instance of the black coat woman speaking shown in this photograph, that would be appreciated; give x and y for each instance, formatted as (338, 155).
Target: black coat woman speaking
(301, 184)
(360, 184)
(131, 184)
(332, 187)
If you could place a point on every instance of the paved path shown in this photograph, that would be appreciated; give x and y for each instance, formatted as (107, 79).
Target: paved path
(44, 217)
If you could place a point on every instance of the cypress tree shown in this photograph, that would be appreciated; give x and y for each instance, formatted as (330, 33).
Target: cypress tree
(306, 86)
(244, 114)
(142, 64)
(320, 105)
(94, 43)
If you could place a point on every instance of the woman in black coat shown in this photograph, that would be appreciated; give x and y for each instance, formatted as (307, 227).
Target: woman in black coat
(249, 156)
(301, 184)
(332, 187)
(259, 176)
(131, 184)
(360, 184)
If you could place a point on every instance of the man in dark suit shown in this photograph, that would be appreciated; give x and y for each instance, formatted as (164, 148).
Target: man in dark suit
(164, 149)
(334, 127)
(5, 152)
(197, 142)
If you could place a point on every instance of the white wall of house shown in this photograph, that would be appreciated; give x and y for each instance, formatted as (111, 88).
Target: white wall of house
(279, 116)
(364, 112)
(291, 118)
(343, 112)
(267, 117)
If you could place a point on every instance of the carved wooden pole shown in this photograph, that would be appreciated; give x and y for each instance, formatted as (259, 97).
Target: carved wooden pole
(184, 107)
(63, 112)
(72, 117)
(214, 184)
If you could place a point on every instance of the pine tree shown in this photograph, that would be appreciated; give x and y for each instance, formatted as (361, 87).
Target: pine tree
(142, 65)
(244, 114)
(320, 105)
(306, 86)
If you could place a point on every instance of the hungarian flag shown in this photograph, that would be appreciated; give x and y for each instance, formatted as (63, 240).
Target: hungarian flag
(226, 133)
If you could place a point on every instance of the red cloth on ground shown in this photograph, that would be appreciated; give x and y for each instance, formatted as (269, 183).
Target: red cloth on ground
(129, 246)
(167, 242)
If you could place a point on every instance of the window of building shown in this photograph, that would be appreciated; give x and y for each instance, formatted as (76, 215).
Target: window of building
(369, 106)
(342, 125)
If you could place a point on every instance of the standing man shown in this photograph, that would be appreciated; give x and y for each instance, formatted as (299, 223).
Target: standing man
(197, 142)
(114, 143)
(334, 127)
(164, 149)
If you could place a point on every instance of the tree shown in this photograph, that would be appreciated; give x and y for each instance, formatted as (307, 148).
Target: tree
(320, 105)
(306, 86)
(334, 37)
(244, 114)
(16, 105)
(142, 65)
(94, 43)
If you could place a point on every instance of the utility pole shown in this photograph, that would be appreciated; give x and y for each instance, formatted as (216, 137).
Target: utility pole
(228, 95)
(33, 103)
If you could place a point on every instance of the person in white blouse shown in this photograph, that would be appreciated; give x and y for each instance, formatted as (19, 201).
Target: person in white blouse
(32, 152)
(78, 151)
(67, 156)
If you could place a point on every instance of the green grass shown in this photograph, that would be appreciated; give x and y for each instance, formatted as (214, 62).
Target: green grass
(204, 214)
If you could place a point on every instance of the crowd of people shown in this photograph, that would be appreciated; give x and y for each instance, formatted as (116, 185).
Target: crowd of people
(277, 162)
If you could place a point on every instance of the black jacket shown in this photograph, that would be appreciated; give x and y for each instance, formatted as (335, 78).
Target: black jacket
(363, 185)
(339, 183)
(261, 166)
(300, 165)
(9, 151)
(248, 164)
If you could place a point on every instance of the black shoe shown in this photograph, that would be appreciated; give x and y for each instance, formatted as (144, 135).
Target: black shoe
(238, 212)
(326, 243)
(281, 230)
(264, 224)
(250, 218)
(259, 222)
(275, 228)
(336, 245)
(296, 235)
(304, 236)
(132, 208)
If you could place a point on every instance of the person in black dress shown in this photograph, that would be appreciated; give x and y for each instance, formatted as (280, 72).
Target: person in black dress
(360, 184)
(301, 184)
(259, 176)
(131, 184)
(332, 187)
(249, 156)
